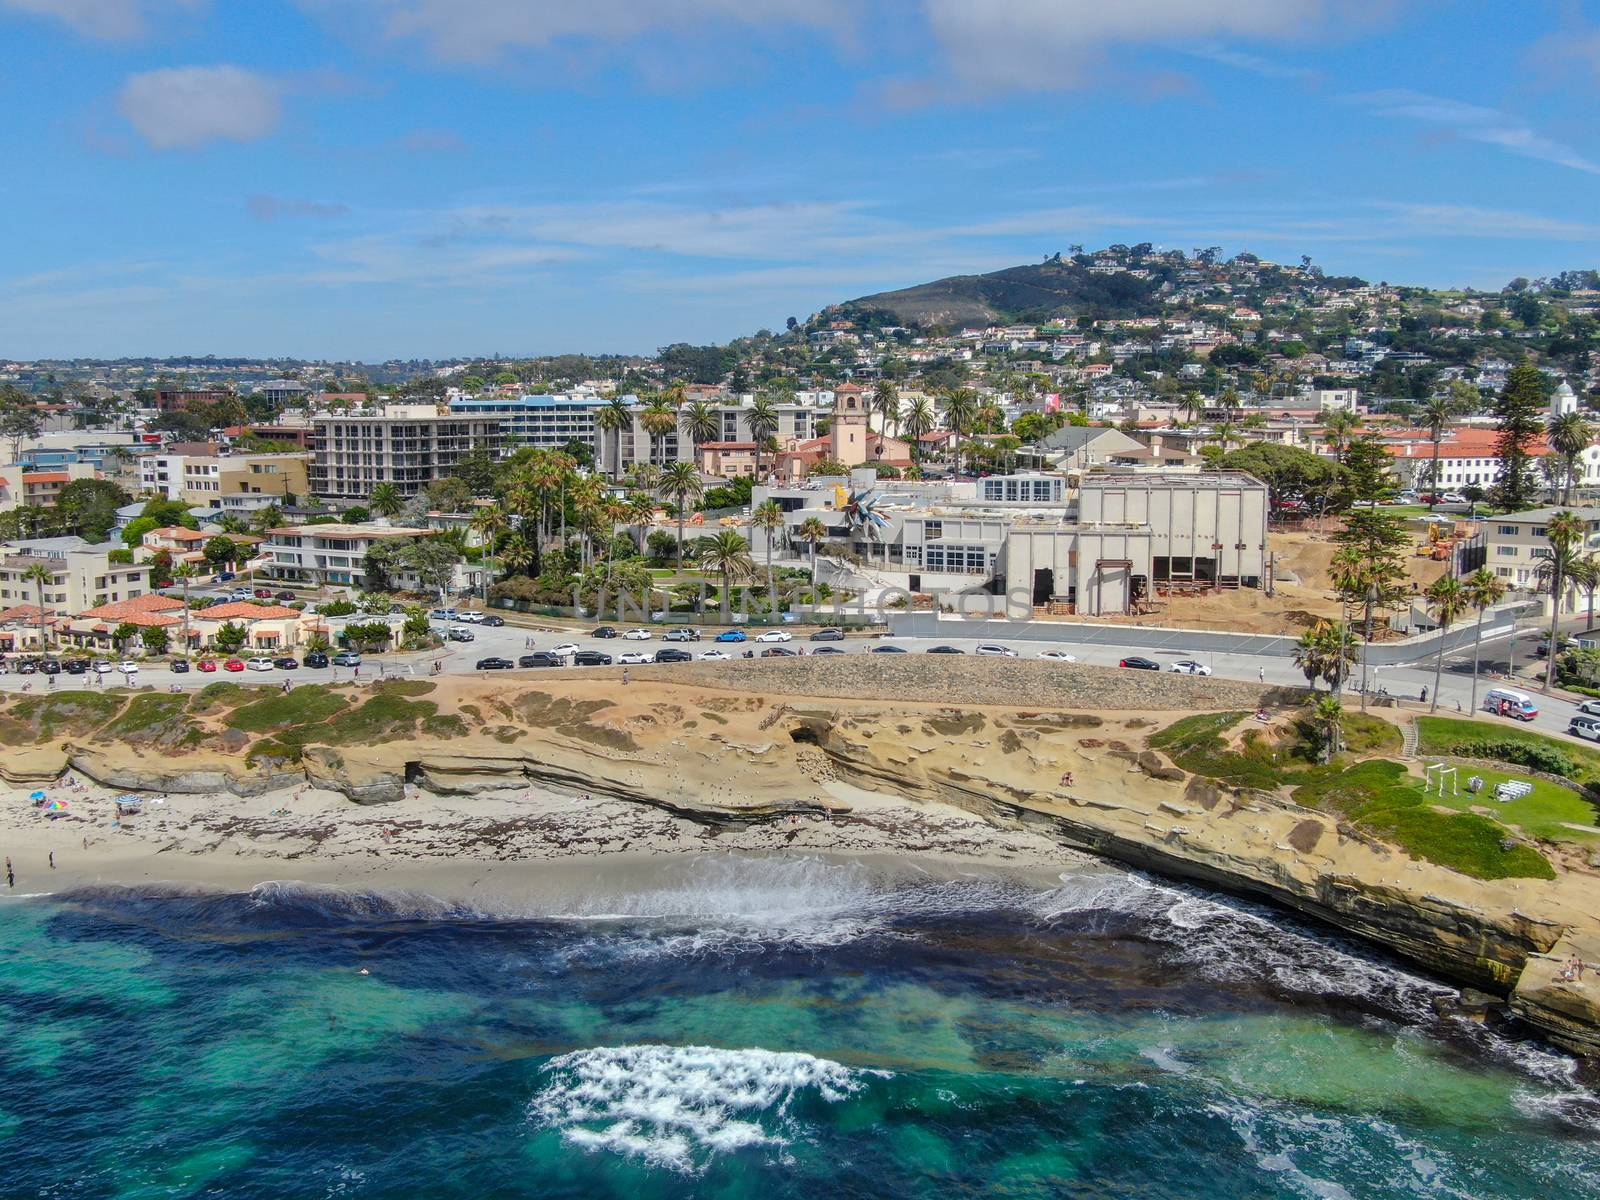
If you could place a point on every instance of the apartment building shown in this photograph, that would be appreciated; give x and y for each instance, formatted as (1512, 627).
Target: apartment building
(202, 473)
(543, 422)
(796, 423)
(1517, 544)
(82, 575)
(327, 554)
(407, 445)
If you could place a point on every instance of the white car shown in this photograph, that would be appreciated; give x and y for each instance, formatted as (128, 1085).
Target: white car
(103, 667)
(261, 663)
(775, 635)
(566, 649)
(993, 650)
(635, 658)
(1188, 666)
(636, 635)
(128, 667)
(471, 616)
(715, 656)
(1590, 708)
(1057, 656)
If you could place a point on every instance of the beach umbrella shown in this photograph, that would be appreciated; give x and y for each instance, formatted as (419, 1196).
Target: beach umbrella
(54, 805)
(37, 796)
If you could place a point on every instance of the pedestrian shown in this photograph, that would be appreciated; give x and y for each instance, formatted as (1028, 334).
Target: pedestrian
(1261, 674)
(624, 675)
(1424, 697)
(357, 671)
(52, 860)
(11, 879)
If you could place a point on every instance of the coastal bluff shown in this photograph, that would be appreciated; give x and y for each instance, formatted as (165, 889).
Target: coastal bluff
(1052, 748)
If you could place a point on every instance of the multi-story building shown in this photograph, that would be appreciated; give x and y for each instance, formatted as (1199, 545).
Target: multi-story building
(543, 422)
(796, 423)
(407, 445)
(202, 473)
(174, 399)
(82, 575)
(1517, 544)
(327, 554)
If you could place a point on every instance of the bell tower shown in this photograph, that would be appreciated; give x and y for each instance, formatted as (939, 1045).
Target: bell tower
(848, 433)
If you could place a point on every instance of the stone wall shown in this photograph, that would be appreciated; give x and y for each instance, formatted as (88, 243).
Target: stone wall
(969, 680)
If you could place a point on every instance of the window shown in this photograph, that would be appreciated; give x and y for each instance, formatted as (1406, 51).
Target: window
(1506, 551)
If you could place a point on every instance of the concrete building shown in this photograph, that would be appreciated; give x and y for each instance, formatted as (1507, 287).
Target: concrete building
(327, 554)
(202, 473)
(1084, 447)
(796, 423)
(1516, 544)
(543, 422)
(81, 575)
(407, 445)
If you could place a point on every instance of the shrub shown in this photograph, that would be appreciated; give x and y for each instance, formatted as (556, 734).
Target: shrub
(121, 557)
(1532, 755)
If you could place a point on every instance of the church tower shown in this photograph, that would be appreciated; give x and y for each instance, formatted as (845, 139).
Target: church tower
(848, 433)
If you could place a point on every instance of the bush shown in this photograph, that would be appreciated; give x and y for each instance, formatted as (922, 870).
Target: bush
(1523, 754)
(336, 608)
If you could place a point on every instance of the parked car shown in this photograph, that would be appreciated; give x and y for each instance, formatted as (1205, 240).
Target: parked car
(591, 658)
(1139, 664)
(285, 596)
(101, 667)
(128, 667)
(347, 658)
(75, 666)
(1590, 708)
(778, 652)
(635, 658)
(827, 650)
(775, 635)
(233, 664)
(285, 662)
(828, 635)
(886, 650)
(494, 663)
(260, 663)
(636, 635)
(442, 614)
(27, 666)
(732, 635)
(671, 654)
(605, 631)
(315, 658)
(179, 666)
(1057, 656)
(50, 667)
(1452, 498)
(263, 593)
(1188, 666)
(944, 650)
(681, 635)
(541, 658)
(470, 617)
(460, 633)
(1585, 727)
(715, 656)
(995, 650)
(494, 622)
(565, 650)
(207, 665)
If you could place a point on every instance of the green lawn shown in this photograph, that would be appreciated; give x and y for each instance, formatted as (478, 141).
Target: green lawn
(1546, 813)
(1442, 737)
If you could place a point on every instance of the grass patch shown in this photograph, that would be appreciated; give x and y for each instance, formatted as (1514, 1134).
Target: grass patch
(145, 713)
(1196, 744)
(447, 726)
(312, 704)
(1381, 798)
(1365, 734)
(404, 687)
(382, 718)
(66, 714)
(1544, 813)
(273, 748)
(219, 695)
(1443, 737)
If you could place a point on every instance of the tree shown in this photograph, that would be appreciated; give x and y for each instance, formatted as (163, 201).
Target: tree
(1437, 414)
(19, 419)
(231, 637)
(133, 535)
(386, 500)
(1519, 415)
(433, 560)
(1329, 714)
(1450, 602)
(1367, 471)
(640, 512)
(1569, 436)
(660, 545)
(1474, 496)
(917, 420)
(183, 574)
(489, 523)
(886, 403)
(763, 420)
(658, 419)
(154, 638)
(90, 506)
(450, 494)
(813, 533)
(1292, 474)
(220, 550)
(1484, 589)
(1373, 572)
(960, 407)
(1309, 653)
(1338, 426)
(729, 555)
(613, 417)
(681, 482)
(768, 517)
(39, 575)
(699, 422)
(1565, 532)
(828, 468)
(368, 635)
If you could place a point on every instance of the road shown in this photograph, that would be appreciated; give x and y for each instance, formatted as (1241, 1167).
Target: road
(512, 641)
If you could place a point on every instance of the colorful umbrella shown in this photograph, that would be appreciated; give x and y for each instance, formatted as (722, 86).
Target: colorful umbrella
(37, 796)
(55, 805)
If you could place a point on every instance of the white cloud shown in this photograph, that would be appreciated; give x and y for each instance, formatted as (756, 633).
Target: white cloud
(1041, 45)
(1474, 123)
(484, 30)
(113, 20)
(181, 108)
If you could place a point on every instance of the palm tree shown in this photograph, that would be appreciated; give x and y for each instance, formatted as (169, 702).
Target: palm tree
(1339, 425)
(39, 575)
(1565, 531)
(386, 500)
(763, 421)
(659, 419)
(917, 420)
(1569, 436)
(1484, 589)
(546, 474)
(1310, 653)
(681, 481)
(729, 555)
(1437, 413)
(614, 416)
(1194, 404)
(699, 422)
(183, 573)
(641, 511)
(768, 517)
(488, 523)
(1330, 713)
(646, 477)
(1450, 602)
(886, 403)
(812, 532)
(960, 406)
(519, 553)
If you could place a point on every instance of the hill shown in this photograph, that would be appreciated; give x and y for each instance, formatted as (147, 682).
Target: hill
(1054, 288)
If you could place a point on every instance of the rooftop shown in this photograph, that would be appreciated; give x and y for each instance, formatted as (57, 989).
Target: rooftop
(248, 611)
(348, 531)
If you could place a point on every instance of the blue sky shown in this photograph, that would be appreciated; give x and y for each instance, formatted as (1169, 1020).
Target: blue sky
(428, 178)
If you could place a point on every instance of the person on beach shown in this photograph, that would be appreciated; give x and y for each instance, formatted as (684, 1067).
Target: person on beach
(52, 860)
(1261, 674)
(11, 879)
(624, 675)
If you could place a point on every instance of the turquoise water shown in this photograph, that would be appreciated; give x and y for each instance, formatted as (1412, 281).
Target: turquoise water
(752, 1028)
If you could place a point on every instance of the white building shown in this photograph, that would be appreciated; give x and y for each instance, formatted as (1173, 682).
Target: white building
(407, 445)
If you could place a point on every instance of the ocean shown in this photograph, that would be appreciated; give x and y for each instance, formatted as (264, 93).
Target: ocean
(755, 1027)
